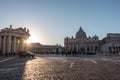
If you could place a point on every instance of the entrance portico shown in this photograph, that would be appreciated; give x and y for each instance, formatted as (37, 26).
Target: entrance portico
(13, 40)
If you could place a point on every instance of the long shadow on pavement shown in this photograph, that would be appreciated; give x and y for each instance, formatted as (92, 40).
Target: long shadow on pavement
(13, 69)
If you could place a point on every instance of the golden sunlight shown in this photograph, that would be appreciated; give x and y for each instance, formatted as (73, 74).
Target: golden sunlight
(32, 39)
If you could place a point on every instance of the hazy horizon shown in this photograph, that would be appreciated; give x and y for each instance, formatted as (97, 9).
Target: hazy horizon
(50, 21)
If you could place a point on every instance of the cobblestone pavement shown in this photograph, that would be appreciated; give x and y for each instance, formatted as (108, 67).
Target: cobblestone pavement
(4, 57)
(61, 68)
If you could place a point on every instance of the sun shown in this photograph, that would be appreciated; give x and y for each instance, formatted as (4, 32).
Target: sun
(28, 41)
(32, 39)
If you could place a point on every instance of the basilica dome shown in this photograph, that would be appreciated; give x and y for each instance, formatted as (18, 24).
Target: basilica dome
(81, 33)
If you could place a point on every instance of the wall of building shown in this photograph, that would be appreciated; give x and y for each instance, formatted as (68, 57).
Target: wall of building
(46, 49)
(112, 44)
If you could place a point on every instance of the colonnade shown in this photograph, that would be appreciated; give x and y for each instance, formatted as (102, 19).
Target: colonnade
(11, 44)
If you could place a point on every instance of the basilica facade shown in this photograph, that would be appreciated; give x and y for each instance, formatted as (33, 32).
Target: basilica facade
(13, 40)
(82, 44)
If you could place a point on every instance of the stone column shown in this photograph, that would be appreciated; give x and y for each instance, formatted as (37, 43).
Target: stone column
(0, 43)
(20, 45)
(9, 44)
(14, 44)
(4, 44)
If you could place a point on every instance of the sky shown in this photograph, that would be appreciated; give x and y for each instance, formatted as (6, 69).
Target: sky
(50, 21)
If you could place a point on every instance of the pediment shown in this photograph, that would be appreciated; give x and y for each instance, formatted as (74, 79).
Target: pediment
(19, 31)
